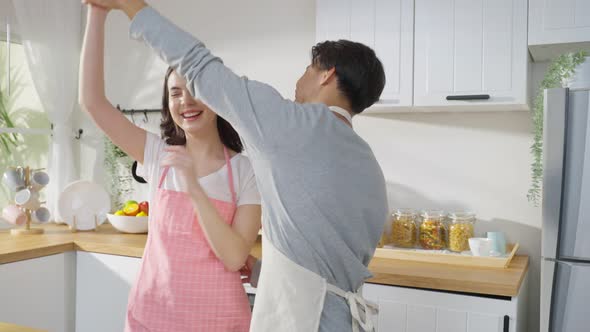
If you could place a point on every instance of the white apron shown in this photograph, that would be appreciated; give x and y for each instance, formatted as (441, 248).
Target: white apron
(290, 298)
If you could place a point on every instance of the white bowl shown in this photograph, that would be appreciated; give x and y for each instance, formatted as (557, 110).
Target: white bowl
(127, 224)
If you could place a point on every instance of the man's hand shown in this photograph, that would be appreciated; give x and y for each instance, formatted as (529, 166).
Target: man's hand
(130, 7)
(246, 271)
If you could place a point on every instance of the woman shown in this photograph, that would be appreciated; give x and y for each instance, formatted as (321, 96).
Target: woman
(205, 211)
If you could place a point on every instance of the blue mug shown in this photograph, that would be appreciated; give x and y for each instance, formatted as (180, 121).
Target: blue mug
(498, 242)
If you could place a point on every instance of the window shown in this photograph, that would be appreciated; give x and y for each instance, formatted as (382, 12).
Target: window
(24, 127)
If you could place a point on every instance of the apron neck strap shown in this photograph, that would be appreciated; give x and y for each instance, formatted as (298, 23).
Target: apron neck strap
(163, 176)
(343, 112)
(230, 175)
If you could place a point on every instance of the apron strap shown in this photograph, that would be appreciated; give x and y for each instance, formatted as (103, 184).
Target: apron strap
(230, 175)
(358, 305)
(163, 177)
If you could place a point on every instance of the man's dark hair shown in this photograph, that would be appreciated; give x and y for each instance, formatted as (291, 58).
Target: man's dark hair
(359, 72)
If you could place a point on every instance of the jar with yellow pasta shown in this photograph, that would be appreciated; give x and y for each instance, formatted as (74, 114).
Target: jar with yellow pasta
(460, 230)
(433, 232)
(404, 232)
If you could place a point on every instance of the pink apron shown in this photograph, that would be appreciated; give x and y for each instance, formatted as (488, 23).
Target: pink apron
(182, 285)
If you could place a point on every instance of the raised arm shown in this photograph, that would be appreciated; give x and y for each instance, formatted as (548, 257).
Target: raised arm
(256, 110)
(113, 123)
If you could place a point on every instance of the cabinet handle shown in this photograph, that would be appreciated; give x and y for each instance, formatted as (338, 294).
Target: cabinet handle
(468, 97)
(506, 324)
(387, 101)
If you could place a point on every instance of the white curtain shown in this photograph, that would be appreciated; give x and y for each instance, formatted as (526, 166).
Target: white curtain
(51, 34)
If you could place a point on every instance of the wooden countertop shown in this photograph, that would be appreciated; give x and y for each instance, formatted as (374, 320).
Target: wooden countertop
(58, 239)
(6, 327)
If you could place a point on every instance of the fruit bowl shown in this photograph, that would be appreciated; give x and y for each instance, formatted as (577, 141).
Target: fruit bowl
(129, 224)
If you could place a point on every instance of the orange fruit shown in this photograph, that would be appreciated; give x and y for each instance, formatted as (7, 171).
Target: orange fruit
(131, 209)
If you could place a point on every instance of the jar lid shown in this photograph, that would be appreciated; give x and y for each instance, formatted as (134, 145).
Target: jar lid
(433, 214)
(405, 212)
(462, 216)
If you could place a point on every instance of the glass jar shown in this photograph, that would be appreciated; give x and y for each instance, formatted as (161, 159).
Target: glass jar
(385, 239)
(404, 232)
(433, 232)
(460, 230)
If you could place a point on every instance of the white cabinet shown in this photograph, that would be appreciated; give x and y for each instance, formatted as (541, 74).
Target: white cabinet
(558, 26)
(39, 293)
(384, 25)
(404, 309)
(471, 53)
(103, 283)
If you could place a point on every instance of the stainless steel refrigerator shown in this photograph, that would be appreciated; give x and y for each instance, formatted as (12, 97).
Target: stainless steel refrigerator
(565, 266)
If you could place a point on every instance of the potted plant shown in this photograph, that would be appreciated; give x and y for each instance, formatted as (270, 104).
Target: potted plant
(118, 165)
(7, 140)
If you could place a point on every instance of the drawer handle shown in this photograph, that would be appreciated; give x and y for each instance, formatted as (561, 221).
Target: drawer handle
(468, 97)
(506, 324)
(387, 101)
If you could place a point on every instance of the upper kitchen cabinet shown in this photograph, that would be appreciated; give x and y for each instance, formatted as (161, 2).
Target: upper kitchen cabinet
(558, 26)
(384, 25)
(471, 55)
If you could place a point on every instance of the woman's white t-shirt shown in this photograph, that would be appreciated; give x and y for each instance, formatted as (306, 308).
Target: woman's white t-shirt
(216, 184)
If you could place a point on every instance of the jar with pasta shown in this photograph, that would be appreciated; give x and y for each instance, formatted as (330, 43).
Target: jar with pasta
(404, 232)
(385, 239)
(460, 230)
(433, 232)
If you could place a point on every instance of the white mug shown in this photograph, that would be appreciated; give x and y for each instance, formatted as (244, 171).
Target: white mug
(14, 178)
(28, 199)
(480, 246)
(39, 180)
(41, 215)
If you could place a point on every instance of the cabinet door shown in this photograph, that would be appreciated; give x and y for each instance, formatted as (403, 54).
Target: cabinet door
(39, 292)
(469, 50)
(384, 25)
(102, 286)
(559, 21)
(413, 310)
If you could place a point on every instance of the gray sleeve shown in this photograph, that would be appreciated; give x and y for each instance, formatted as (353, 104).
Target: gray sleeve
(254, 109)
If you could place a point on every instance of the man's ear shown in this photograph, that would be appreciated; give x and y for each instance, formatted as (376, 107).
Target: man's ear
(328, 76)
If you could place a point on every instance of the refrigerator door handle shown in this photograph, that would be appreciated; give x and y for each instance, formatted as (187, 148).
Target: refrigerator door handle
(547, 282)
(553, 158)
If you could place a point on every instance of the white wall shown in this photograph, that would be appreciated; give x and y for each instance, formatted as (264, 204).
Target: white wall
(474, 161)
(477, 161)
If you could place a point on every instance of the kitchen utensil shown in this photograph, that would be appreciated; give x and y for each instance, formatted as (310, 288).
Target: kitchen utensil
(480, 246)
(14, 215)
(41, 215)
(39, 180)
(129, 224)
(498, 242)
(28, 199)
(14, 178)
(83, 205)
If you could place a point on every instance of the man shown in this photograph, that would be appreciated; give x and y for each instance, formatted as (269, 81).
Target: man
(323, 192)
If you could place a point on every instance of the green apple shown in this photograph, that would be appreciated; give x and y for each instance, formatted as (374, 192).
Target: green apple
(129, 202)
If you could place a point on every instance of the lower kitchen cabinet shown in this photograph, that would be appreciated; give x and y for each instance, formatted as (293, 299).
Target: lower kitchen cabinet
(417, 310)
(39, 292)
(103, 283)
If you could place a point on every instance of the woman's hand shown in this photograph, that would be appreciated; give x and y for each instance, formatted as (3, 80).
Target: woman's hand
(179, 158)
(130, 7)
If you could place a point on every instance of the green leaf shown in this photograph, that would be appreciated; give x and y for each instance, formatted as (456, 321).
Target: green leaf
(559, 70)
